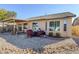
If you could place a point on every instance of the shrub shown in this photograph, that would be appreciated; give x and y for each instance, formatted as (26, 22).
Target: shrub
(75, 30)
(57, 34)
(51, 34)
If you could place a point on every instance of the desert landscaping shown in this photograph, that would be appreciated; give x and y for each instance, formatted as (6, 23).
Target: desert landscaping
(20, 44)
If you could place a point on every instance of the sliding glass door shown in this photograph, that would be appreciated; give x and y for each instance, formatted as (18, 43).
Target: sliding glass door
(35, 26)
(54, 26)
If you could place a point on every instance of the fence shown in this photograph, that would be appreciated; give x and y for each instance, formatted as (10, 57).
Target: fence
(75, 30)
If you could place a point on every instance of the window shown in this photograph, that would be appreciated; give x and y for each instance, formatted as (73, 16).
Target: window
(65, 24)
(54, 26)
(46, 26)
(57, 26)
(20, 27)
(35, 26)
(25, 25)
(65, 27)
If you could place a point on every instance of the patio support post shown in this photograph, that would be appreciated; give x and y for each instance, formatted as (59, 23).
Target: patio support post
(17, 27)
(22, 27)
(14, 30)
(47, 28)
(3, 27)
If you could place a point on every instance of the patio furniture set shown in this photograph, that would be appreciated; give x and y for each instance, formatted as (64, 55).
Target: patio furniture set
(31, 33)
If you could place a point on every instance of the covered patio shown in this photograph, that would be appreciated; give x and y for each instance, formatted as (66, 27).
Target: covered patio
(13, 25)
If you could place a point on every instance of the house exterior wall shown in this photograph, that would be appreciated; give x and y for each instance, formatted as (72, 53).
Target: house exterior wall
(69, 27)
(30, 24)
(22, 25)
(67, 33)
(42, 25)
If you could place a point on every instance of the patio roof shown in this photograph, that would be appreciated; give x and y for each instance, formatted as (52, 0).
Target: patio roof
(53, 16)
(13, 19)
(17, 20)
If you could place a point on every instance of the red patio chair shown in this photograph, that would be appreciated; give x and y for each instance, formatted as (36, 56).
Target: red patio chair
(29, 33)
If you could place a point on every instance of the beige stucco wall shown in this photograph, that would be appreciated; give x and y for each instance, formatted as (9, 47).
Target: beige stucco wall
(69, 27)
(67, 33)
(29, 24)
(42, 24)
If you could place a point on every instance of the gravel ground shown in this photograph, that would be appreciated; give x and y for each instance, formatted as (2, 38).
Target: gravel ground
(20, 44)
(76, 39)
(21, 41)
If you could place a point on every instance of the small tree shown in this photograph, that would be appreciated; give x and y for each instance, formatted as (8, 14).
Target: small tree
(5, 14)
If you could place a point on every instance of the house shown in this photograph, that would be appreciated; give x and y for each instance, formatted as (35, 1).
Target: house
(55, 23)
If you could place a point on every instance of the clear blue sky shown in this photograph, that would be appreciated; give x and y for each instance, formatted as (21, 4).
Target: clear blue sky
(30, 10)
